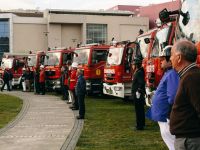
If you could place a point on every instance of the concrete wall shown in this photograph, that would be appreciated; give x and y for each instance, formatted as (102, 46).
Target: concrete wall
(71, 35)
(29, 34)
(120, 27)
(67, 30)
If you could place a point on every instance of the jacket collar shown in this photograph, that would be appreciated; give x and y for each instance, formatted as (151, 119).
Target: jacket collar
(186, 69)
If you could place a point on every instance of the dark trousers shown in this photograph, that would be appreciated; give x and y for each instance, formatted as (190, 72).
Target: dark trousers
(187, 143)
(140, 113)
(36, 86)
(81, 102)
(75, 100)
(42, 88)
(6, 83)
(65, 92)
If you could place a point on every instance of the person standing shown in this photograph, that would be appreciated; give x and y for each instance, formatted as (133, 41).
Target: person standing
(185, 114)
(64, 82)
(42, 80)
(23, 79)
(72, 84)
(138, 92)
(80, 90)
(5, 80)
(163, 98)
(36, 81)
(10, 78)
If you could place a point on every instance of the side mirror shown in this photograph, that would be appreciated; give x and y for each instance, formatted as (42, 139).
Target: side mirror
(186, 17)
(147, 40)
(164, 15)
(109, 54)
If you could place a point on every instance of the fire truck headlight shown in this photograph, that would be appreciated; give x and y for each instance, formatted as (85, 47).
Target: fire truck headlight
(116, 88)
(88, 83)
(58, 82)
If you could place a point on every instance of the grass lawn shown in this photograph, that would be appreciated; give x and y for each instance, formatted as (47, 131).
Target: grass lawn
(10, 106)
(109, 125)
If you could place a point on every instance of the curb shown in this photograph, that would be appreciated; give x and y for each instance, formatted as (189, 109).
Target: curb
(72, 139)
(25, 107)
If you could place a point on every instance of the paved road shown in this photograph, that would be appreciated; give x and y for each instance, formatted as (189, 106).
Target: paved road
(45, 123)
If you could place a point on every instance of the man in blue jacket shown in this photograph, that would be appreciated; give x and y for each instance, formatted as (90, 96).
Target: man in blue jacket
(164, 98)
(80, 90)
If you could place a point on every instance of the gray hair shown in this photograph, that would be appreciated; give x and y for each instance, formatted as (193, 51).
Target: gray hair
(187, 49)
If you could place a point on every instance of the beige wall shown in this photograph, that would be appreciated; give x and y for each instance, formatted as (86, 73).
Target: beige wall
(28, 37)
(54, 36)
(120, 27)
(71, 35)
(66, 30)
(129, 32)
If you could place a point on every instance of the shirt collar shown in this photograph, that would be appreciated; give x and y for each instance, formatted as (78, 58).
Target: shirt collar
(184, 70)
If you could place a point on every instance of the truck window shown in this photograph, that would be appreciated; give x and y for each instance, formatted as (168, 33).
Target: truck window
(82, 56)
(31, 61)
(66, 57)
(52, 59)
(161, 40)
(143, 46)
(115, 56)
(7, 63)
(98, 56)
(128, 59)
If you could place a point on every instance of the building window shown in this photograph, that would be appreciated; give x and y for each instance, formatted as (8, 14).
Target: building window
(4, 35)
(96, 33)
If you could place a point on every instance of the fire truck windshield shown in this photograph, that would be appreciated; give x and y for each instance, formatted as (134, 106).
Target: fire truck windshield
(188, 25)
(115, 56)
(52, 59)
(143, 46)
(160, 40)
(82, 57)
(7, 63)
(31, 61)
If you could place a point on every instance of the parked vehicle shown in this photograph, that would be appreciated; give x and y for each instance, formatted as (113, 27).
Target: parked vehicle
(54, 60)
(118, 71)
(92, 59)
(14, 62)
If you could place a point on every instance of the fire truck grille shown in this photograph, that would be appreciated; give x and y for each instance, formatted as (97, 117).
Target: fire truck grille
(50, 73)
(110, 76)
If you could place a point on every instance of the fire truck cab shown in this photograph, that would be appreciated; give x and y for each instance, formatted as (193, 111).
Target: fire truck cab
(14, 62)
(92, 59)
(54, 60)
(118, 71)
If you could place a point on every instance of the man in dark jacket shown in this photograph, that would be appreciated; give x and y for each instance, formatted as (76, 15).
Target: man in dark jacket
(185, 114)
(80, 90)
(138, 92)
(6, 80)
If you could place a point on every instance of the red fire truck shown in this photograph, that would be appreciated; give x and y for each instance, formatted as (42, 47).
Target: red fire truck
(173, 28)
(54, 60)
(14, 62)
(153, 73)
(118, 72)
(92, 59)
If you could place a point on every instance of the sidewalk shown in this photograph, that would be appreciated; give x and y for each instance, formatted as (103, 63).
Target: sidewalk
(44, 123)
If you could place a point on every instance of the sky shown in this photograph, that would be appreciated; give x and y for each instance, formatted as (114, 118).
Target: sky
(72, 4)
